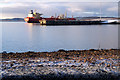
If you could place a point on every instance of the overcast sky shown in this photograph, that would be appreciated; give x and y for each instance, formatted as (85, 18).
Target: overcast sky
(20, 8)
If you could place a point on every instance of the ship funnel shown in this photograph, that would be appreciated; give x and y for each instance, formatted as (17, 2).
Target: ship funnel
(31, 12)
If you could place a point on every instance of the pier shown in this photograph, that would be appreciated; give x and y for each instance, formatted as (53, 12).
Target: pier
(67, 22)
(73, 22)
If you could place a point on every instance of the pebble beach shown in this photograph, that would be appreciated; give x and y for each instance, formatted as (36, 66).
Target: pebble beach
(103, 64)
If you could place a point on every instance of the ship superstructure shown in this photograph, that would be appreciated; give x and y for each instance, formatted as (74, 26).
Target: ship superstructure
(33, 17)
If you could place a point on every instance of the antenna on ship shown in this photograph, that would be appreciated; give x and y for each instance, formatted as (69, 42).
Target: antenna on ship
(66, 14)
(31, 11)
(55, 15)
(35, 10)
(72, 16)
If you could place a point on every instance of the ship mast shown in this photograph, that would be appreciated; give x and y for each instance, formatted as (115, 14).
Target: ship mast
(66, 14)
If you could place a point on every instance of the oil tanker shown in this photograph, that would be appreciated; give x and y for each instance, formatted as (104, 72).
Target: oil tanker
(34, 17)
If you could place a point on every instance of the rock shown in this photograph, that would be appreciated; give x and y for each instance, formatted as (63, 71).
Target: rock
(61, 50)
(108, 65)
(4, 52)
(73, 66)
(40, 66)
(101, 71)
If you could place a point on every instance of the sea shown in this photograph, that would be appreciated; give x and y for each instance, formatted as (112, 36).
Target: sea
(23, 37)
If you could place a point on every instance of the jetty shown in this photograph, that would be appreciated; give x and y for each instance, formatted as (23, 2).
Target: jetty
(67, 22)
(76, 22)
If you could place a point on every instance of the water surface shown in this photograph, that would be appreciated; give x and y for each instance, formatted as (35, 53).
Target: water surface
(21, 36)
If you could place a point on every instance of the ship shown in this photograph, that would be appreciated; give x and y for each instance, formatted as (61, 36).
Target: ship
(35, 17)
(62, 19)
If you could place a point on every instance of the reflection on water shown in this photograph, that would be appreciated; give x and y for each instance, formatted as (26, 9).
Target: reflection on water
(27, 36)
(35, 24)
(0, 38)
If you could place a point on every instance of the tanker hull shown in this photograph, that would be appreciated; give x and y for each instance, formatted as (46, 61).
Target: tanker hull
(31, 20)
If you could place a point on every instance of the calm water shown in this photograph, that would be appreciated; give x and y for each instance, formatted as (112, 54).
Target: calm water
(21, 36)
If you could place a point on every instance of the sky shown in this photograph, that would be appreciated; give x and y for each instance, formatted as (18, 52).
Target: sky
(76, 8)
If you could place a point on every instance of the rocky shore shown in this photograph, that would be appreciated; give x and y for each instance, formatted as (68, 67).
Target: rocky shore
(72, 64)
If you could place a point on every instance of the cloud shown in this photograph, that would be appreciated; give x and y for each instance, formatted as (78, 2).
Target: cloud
(60, 0)
(12, 5)
(113, 9)
(21, 9)
(74, 9)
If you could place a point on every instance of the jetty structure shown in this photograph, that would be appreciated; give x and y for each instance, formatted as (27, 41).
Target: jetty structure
(34, 17)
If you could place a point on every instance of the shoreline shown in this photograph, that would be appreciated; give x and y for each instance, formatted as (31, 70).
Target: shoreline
(29, 54)
(62, 64)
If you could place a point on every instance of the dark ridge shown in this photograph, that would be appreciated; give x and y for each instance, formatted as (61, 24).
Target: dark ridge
(13, 19)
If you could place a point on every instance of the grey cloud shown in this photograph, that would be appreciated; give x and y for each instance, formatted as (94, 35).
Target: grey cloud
(49, 8)
(60, 0)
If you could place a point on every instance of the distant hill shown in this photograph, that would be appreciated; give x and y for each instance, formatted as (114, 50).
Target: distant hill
(13, 19)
